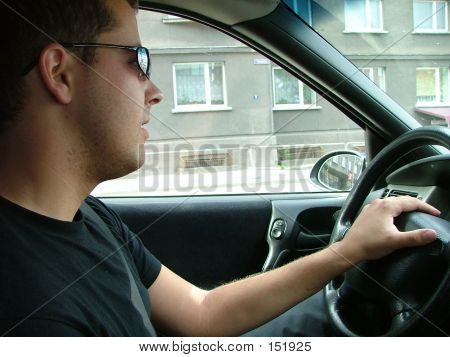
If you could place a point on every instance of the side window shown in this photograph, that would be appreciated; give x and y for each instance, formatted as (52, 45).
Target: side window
(231, 121)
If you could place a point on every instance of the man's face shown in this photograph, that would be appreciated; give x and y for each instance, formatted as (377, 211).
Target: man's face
(114, 102)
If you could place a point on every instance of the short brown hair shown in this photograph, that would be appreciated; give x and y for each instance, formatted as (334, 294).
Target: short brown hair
(27, 26)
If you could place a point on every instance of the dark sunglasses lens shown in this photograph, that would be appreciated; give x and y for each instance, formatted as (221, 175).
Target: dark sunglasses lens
(144, 60)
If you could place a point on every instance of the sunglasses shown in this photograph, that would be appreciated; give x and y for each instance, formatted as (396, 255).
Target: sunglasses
(142, 55)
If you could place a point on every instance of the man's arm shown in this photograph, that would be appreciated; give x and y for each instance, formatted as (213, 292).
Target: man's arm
(182, 309)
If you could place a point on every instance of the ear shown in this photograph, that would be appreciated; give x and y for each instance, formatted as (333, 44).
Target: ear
(56, 67)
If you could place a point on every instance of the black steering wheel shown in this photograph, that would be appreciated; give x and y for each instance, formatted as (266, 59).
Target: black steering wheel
(407, 292)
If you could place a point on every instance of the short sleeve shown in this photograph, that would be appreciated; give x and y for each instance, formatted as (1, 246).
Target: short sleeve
(147, 265)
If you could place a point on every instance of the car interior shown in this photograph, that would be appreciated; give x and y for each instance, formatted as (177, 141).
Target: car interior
(213, 238)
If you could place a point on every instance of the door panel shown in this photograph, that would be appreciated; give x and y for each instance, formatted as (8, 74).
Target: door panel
(208, 241)
(216, 239)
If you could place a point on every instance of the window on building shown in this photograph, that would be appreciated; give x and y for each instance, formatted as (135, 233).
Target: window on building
(376, 75)
(432, 85)
(430, 16)
(199, 85)
(363, 15)
(301, 8)
(289, 92)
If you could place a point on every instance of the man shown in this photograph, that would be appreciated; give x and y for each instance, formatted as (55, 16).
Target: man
(76, 91)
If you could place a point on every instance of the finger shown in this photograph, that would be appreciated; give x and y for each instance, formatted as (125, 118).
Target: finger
(408, 204)
(416, 238)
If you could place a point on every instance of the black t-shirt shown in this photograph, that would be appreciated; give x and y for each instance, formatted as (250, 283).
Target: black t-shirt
(59, 278)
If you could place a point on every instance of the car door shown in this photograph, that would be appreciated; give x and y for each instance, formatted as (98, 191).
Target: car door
(254, 97)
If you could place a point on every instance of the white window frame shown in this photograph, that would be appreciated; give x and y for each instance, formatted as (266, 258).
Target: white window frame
(201, 107)
(437, 86)
(434, 28)
(381, 73)
(293, 106)
(368, 19)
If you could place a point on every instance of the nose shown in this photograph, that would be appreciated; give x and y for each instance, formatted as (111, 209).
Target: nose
(153, 95)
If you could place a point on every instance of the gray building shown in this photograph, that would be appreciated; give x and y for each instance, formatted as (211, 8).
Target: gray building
(403, 45)
(221, 96)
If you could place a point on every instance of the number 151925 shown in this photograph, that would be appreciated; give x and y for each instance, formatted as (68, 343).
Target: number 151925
(290, 346)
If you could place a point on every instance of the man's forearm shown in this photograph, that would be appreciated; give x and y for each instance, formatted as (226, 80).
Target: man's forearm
(240, 306)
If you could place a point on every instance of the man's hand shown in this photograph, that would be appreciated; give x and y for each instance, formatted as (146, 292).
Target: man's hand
(374, 235)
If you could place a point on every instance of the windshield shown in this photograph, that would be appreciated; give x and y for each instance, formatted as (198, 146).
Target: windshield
(403, 46)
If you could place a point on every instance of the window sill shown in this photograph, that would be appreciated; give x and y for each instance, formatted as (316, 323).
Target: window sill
(432, 105)
(431, 32)
(366, 31)
(296, 107)
(202, 109)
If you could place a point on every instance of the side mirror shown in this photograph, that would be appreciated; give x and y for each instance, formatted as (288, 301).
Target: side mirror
(338, 171)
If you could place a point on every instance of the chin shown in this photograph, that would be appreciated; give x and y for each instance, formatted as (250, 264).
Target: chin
(141, 156)
(117, 168)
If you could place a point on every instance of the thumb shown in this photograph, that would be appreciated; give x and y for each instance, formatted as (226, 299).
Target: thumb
(417, 238)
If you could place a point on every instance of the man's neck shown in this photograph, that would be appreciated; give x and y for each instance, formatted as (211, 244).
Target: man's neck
(42, 176)
(54, 202)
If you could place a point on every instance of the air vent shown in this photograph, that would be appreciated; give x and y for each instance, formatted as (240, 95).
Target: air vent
(397, 193)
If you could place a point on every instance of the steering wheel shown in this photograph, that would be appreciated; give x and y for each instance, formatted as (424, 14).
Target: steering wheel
(407, 292)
